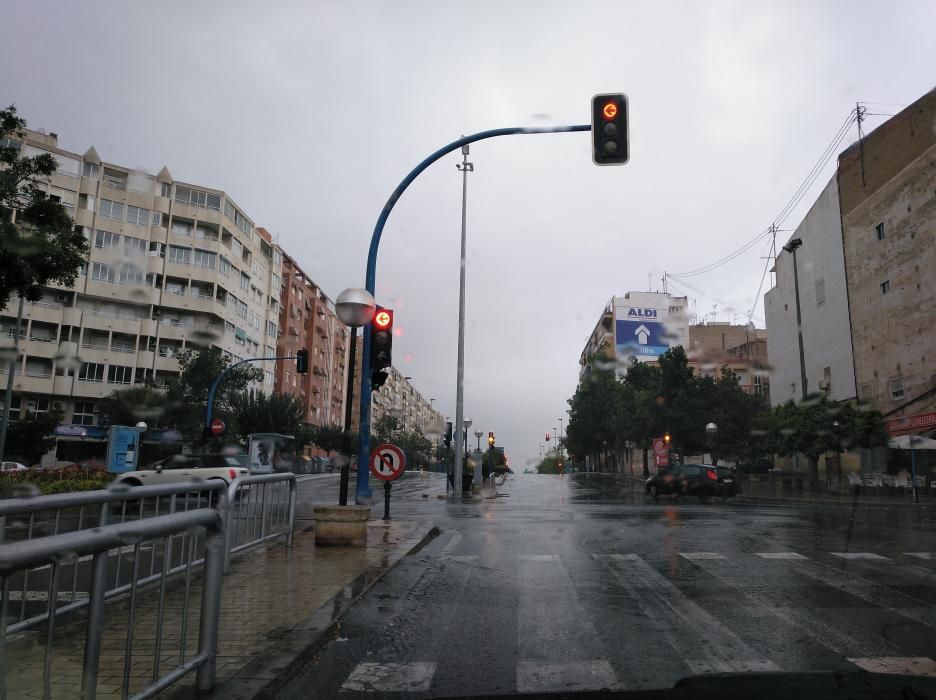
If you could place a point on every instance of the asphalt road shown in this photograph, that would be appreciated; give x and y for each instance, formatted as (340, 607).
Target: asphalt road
(580, 583)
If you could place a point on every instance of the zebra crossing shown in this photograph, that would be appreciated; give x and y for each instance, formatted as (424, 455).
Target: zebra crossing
(562, 641)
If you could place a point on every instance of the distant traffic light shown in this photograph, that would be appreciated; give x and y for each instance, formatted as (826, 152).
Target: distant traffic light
(547, 437)
(448, 433)
(609, 129)
(381, 345)
(666, 439)
(302, 361)
(491, 439)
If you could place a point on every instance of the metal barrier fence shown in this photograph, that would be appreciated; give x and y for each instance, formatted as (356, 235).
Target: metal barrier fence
(53, 551)
(261, 507)
(35, 519)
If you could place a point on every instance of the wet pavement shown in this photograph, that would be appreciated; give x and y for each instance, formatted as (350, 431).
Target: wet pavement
(577, 583)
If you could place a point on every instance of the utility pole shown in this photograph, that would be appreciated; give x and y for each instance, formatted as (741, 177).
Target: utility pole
(464, 167)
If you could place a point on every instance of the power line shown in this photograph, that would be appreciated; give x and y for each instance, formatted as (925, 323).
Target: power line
(728, 258)
(760, 286)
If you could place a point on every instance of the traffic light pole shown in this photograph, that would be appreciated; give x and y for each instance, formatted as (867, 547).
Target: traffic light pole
(363, 495)
(214, 385)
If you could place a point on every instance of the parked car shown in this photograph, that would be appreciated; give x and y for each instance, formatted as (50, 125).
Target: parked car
(701, 480)
(178, 468)
(13, 467)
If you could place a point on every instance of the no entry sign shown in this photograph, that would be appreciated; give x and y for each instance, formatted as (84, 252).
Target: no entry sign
(387, 462)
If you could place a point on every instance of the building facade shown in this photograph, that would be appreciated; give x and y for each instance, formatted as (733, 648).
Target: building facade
(172, 265)
(307, 319)
(887, 183)
(742, 348)
(824, 302)
(641, 325)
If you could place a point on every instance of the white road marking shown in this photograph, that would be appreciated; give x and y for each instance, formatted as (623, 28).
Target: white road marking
(554, 632)
(567, 676)
(370, 677)
(794, 613)
(903, 665)
(920, 555)
(696, 556)
(860, 555)
(729, 666)
(780, 555)
(679, 618)
(451, 544)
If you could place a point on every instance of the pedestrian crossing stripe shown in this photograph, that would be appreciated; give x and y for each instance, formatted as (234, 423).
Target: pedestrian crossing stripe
(860, 555)
(370, 676)
(902, 665)
(780, 555)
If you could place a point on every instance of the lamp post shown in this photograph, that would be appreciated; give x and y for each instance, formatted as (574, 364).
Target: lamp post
(355, 308)
(478, 434)
(465, 167)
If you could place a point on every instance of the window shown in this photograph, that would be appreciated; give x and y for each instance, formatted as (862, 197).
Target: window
(157, 249)
(176, 288)
(111, 210)
(225, 266)
(83, 413)
(271, 329)
(134, 246)
(102, 273)
(157, 218)
(885, 286)
(138, 216)
(180, 255)
(897, 388)
(118, 374)
(37, 405)
(820, 292)
(198, 198)
(204, 258)
(165, 189)
(181, 229)
(91, 372)
(879, 231)
(91, 170)
(130, 274)
(245, 281)
(86, 201)
(106, 239)
(269, 351)
(287, 377)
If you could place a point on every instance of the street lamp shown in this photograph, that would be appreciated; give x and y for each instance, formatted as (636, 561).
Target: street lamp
(711, 429)
(478, 434)
(355, 308)
(464, 167)
(791, 247)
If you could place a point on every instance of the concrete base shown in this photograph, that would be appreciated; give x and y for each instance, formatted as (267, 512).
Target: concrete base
(341, 526)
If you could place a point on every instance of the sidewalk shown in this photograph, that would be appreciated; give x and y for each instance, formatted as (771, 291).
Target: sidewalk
(278, 606)
(762, 492)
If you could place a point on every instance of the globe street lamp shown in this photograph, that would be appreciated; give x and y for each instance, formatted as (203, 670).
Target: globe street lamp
(711, 429)
(355, 308)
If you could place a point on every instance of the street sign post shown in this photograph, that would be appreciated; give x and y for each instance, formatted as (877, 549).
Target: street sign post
(387, 463)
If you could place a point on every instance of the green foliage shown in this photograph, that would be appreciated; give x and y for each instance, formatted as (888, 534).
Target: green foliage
(42, 247)
(188, 392)
(258, 412)
(46, 481)
(331, 438)
(31, 436)
(549, 465)
(140, 403)
(386, 428)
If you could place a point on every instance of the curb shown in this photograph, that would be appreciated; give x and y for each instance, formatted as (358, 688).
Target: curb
(765, 500)
(266, 674)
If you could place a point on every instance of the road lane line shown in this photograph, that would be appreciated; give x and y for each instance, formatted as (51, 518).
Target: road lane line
(697, 556)
(794, 613)
(412, 677)
(920, 555)
(451, 544)
(678, 618)
(860, 555)
(555, 636)
(780, 555)
(902, 665)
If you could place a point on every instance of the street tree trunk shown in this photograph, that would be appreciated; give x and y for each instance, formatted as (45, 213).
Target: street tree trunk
(646, 462)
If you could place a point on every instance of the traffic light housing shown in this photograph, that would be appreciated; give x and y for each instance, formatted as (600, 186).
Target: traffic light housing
(491, 439)
(378, 379)
(609, 129)
(547, 437)
(381, 345)
(302, 361)
(448, 434)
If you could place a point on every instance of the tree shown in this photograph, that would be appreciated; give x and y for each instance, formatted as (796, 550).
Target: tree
(386, 428)
(189, 391)
(334, 439)
(31, 436)
(258, 412)
(42, 246)
(592, 410)
(140, 403)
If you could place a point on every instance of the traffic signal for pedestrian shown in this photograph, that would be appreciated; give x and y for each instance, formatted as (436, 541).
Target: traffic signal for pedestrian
(609, 129)
(381, 345)
(491, 439)
(302, 361)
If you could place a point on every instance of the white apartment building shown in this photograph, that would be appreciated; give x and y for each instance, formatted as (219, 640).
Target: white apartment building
(172, 265)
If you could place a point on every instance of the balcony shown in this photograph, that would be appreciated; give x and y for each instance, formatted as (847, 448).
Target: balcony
(48, 312)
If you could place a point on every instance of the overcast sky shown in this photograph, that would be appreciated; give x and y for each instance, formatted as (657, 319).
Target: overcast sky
(309, 113)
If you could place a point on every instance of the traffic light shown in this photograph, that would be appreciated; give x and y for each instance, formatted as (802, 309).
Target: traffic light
(448, 434)
(381, 345)
(302, 361)
(547, 437)
(378, 379)
(666, 439)
(491, 439)
(609, 129)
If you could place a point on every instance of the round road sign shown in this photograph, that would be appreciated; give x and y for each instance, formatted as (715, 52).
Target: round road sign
(216, 426)
(387, 462)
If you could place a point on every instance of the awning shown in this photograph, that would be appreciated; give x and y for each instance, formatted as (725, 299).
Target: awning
(902, 442)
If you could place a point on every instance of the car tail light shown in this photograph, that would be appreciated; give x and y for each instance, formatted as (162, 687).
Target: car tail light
(232, 474)
(710, 473)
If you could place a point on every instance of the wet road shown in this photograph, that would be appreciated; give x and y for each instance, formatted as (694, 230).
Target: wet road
(581, 583)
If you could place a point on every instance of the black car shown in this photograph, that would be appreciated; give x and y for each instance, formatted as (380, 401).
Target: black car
(701, 480)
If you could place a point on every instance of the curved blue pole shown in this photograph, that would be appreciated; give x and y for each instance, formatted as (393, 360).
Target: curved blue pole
(362, 492)
(214, 385)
